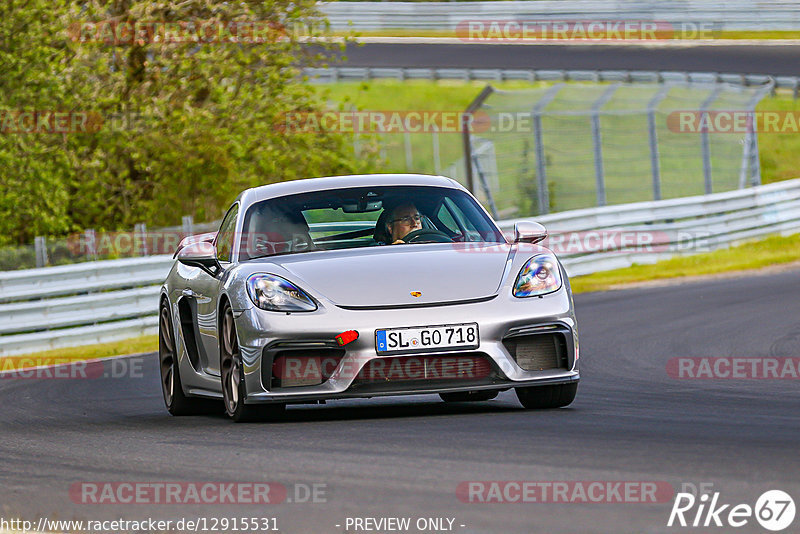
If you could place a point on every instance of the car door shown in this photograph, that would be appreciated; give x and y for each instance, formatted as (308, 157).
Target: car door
(206, 296)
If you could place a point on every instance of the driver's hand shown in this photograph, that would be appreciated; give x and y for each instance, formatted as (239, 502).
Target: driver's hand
(399, 242)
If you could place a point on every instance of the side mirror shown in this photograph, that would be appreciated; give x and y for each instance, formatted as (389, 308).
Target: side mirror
(188, 240)
(200, 254)
(529, 232)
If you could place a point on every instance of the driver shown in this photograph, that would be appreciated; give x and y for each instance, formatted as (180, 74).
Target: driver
(404, 219)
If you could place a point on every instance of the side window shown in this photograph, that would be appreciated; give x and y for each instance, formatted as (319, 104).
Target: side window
(225, 235)
(460, 220)
(446, 218)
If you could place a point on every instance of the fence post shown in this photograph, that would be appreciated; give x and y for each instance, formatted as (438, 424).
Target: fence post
(755, 162)
(541, 177)
(40, 248)
(704, 140)
(140, 238)
(655, 163)
(750, 167)
(597, 143)
(437, 160)
(409, 155)
(485, 185)
(187, 221)
(466, 134)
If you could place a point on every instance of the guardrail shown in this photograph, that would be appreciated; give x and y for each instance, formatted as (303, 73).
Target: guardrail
(593, 240)
(335, 74)
(683, 14)
(80, 304)
(95, 302)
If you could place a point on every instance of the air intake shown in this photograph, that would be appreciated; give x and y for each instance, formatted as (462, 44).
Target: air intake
(538, 352)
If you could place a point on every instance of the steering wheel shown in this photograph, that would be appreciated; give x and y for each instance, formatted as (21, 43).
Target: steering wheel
(427, 235)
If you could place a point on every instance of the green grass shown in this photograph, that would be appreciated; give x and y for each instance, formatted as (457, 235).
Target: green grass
(774, 250)
(75, 354)
(779, 152)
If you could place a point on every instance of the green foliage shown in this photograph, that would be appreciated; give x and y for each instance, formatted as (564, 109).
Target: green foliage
(183, 126)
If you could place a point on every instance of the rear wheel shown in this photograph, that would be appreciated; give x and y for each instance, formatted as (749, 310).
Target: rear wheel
(543, 397)
(175, 399)
(468, 396)
(234, 390)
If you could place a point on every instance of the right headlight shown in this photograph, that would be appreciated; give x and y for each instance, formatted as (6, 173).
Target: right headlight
(539, 276)
(273, 293)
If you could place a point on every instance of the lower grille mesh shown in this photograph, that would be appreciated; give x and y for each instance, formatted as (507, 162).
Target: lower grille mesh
(407, 368)
(538, 352)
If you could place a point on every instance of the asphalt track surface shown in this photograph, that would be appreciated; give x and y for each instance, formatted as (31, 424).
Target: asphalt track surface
(754, 59)
(405, 456)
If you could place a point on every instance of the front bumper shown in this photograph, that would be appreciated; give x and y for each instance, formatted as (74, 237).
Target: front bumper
(263, 334)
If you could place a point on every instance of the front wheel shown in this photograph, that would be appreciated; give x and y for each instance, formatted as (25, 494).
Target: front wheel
(234, 390)
(175, 399)
(544, 397)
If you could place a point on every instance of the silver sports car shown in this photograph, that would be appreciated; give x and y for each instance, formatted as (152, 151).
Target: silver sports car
(362, 286)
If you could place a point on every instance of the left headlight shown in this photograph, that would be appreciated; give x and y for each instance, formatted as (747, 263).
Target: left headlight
(270, 292)
(539, 276)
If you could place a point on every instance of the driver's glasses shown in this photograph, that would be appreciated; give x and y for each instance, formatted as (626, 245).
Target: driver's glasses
(408, 219)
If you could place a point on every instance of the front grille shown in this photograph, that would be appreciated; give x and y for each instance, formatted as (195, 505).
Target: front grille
(304, 367)
(425, 373)
(470, 366)
(538, 352)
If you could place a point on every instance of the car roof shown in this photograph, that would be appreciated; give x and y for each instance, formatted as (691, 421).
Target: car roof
(327, 183)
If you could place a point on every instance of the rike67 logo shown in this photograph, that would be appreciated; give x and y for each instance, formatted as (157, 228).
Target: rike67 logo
(774, 510)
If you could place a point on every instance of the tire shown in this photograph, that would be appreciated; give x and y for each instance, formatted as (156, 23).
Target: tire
(234, 391)
(544, 397)
(175, 399)
(469, 396)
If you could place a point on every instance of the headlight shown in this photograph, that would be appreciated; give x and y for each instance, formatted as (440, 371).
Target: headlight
(539, 276)
(270, 292)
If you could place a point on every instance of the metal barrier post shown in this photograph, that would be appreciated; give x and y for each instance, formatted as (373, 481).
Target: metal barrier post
(140, 239)
(90, 243)
(40, 247)
(187, 222)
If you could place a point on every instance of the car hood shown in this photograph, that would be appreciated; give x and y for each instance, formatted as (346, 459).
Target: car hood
(392, 275)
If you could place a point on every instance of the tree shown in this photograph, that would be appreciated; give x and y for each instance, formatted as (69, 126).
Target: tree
(183, 98)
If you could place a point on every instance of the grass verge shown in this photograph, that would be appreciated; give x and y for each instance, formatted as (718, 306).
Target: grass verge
(76, 354)
(774, 250)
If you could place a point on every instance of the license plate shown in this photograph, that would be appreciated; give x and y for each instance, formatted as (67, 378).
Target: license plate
(425, 338)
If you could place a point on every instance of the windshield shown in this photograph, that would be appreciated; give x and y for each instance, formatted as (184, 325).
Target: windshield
(363, 217)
